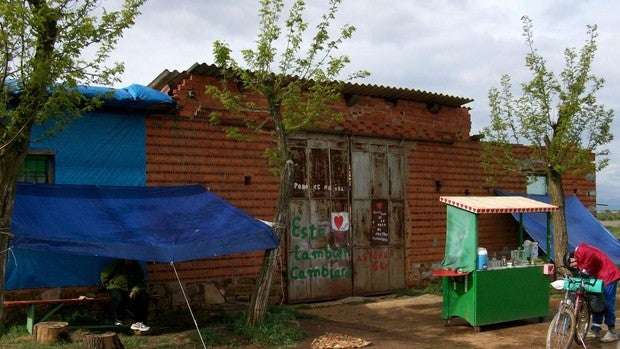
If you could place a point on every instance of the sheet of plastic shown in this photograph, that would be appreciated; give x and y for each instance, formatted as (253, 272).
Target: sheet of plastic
(40, 269)
(461, 240)
(134, 96)
(581, 224)
(160, 224)
(105, 147)
(100, 148)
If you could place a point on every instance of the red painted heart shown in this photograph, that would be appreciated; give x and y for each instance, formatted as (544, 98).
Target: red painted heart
(338, 220)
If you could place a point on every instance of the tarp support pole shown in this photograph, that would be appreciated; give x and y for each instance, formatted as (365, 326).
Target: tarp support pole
(188, 306)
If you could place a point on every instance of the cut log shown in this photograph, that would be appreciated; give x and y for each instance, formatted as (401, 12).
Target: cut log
(107, 340)
(50, 331)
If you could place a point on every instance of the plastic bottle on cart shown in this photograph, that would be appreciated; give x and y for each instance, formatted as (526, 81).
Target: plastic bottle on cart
(534, 251)
(483, 258)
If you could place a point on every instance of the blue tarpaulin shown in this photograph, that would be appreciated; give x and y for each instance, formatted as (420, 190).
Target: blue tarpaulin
(582, 226)
(158, 224)
(114, 154)
(102, 147)
(134, 96)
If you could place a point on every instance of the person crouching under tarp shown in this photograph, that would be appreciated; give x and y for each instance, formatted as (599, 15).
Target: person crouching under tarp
(125, 280)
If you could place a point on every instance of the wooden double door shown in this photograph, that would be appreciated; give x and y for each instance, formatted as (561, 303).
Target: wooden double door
(347, 230)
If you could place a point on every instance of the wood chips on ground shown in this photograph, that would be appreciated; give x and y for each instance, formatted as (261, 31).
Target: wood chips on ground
(338, 341)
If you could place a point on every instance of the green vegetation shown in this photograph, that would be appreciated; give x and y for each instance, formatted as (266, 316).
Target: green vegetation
(432, 288)
(608, 215)
(279, 328)
(300, 85)
(80, 317)
(609, 219)
(557, 117)
(614, 230)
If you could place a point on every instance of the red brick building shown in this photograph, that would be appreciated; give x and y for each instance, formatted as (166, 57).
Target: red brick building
(365, 218)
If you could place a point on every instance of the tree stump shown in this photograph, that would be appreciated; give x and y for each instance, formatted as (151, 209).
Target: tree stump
(107, 340)
(50, 331)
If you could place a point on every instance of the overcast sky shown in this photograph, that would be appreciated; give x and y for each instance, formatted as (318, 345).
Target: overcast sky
(454, 47)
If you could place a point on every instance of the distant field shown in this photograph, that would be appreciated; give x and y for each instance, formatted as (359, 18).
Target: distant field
(611, 220)
(613, 227)
(614, 224)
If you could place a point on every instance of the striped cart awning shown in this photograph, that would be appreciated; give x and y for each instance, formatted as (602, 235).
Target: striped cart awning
(497, 204)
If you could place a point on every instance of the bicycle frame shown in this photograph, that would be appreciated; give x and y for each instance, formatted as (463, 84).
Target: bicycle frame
(572, 321)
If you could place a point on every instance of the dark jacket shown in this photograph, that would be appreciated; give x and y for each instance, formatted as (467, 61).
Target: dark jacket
(123, 275)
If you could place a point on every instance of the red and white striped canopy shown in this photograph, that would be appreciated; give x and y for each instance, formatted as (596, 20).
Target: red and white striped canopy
(497, 204)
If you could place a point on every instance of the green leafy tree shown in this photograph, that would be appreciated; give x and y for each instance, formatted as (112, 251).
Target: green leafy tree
(558, 118)
(300, 87)
(47, 48)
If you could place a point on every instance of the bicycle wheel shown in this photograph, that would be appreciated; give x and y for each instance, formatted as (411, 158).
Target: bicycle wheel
(582, 322)
(561, 329)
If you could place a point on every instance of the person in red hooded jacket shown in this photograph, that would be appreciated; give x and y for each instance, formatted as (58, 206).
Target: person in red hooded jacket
(597, 264)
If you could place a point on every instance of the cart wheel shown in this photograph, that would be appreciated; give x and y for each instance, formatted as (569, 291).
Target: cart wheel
(447, 322)
(477, 328)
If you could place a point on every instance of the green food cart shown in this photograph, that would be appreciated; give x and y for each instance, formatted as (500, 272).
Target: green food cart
(496, 294)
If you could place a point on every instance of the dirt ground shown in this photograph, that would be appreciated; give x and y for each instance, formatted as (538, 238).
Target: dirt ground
(383, 322)
(415, 322)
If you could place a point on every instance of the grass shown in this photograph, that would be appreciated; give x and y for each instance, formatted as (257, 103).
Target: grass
(615, 231)
(432, 288)
(280, 329)
(610, 215)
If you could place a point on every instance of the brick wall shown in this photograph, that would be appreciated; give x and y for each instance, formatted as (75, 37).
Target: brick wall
(185, 149)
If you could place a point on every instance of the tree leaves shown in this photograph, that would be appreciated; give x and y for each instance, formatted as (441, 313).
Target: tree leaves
(557, 116)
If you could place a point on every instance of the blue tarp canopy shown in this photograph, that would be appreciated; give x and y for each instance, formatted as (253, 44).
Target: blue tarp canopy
(134, 96)
(159, 224)
(582, 226)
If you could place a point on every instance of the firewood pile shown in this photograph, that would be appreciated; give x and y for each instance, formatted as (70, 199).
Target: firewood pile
(338, 341)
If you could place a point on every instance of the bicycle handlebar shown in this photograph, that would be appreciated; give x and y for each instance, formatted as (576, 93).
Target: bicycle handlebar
(581, 277)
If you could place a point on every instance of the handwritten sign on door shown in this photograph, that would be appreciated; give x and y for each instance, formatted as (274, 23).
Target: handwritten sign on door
(379, 232)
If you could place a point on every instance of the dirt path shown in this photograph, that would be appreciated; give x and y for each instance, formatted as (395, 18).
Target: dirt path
(415, 322)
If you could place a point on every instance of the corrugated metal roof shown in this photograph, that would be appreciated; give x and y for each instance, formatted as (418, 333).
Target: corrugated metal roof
(170, 79)
(497, 204)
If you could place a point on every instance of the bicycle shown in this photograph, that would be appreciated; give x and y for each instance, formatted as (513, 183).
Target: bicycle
(572, 320)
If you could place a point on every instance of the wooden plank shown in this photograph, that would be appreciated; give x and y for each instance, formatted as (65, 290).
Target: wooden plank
(53, 301)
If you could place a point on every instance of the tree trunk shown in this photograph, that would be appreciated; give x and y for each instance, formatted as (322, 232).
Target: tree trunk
(260, 295)
(15, 132)
(107, 340)
(50, 332)
(558, 218)
(11, 158)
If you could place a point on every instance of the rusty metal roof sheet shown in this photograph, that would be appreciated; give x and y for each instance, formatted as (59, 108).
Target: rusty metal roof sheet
(168, 80)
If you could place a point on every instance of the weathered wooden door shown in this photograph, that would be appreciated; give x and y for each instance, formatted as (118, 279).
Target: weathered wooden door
(319, 255)
(346, 235)
(378, 216)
